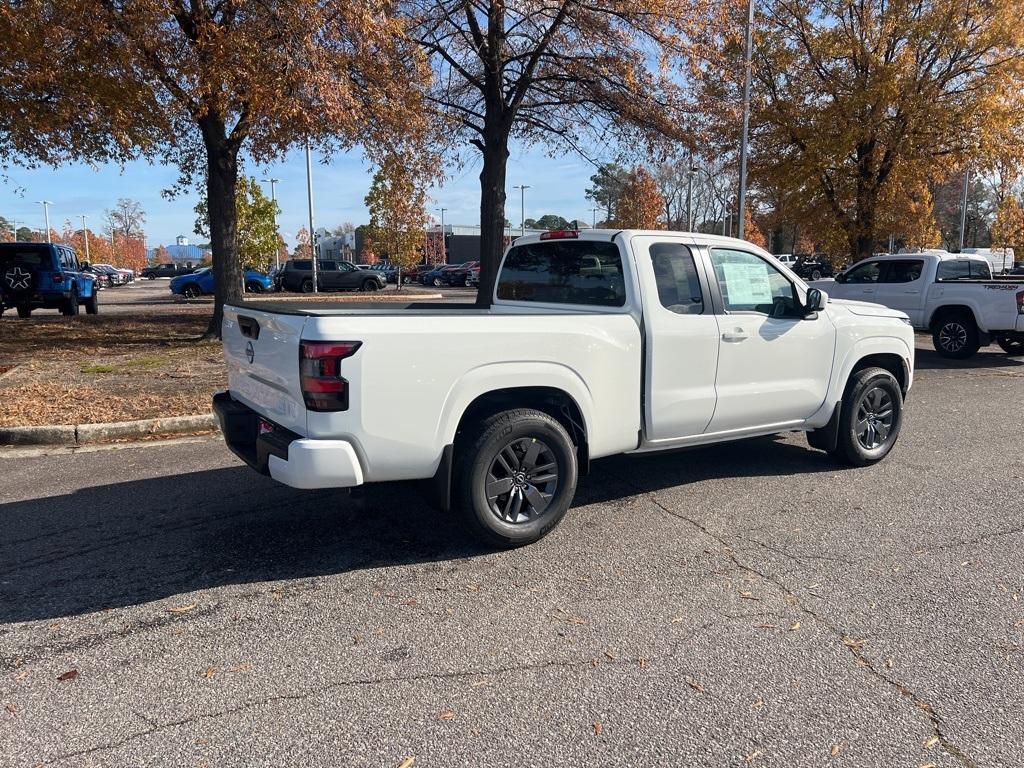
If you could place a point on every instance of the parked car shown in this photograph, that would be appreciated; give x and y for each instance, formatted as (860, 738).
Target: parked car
(297, 275)
(473, 278)
(951, 295)
(459, 275)
(34, 275)
(101, 276)
(115, 276)
(201, 282)
(812, 266)
(165, 270)
(672, 340)
(412, 275)
(436, 276)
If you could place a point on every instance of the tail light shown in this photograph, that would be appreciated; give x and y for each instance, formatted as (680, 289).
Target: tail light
(1020, 302)
(57, 277)
(323, 387)
(560, 234)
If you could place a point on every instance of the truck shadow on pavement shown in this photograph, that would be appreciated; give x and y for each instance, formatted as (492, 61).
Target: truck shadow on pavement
(987, 357)
(123, 544)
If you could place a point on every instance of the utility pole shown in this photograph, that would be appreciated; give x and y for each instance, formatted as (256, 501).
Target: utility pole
(593, 213)
(309, 196)
(747, 66)
(46, 214)
(444, 239)
(14, 226)
(85, 236)
(690, 173)
(273, 199)
(963, 208)
(522, 206)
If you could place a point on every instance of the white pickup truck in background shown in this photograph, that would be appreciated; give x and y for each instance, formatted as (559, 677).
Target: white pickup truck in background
(598, 343)
(951, 295)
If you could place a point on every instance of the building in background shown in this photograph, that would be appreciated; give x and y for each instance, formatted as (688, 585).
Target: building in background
(182, 252)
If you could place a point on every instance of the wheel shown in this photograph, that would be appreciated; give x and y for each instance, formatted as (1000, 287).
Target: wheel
(254, 288)
(92, 304)
(406, 280)
(515, 477)
(24, 311)
(70, 306)
(191, 291)
(151, 277)
(369, 285)
(1013, 346)
(307, 286)
(871, 417)
(815, 274)
(956, 336)
(437, 282)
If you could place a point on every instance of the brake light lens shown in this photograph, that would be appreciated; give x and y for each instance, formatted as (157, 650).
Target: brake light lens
(323, 387)
(57, 277)
(1020, 302)
(560, 234)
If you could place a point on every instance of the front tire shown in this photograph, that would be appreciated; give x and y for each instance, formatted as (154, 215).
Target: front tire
(369, 285)
(515, 477)
(70, 308)
(254, 287)
(191, 291)
(955, 336)
(871, 417)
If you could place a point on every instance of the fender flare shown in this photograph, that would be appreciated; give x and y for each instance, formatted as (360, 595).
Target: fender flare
(872, 345)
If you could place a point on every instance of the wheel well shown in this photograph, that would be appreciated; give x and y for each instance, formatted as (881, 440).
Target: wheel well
(890, 362)
(950, 309)
(555, 402)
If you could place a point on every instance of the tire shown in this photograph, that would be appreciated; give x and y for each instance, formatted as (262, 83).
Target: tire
(871, 417)
(70, 307)
(437, 282)
(1014, 347)
(24, 311)
(955, 336)
(369, 285)
(406, 280)
(191, 291)
(815, 274)
(92, 304)
(500, 448)
(254, 288)
(307, 286)
(151, 277)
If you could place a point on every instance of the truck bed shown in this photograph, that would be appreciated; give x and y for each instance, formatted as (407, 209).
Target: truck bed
(393, 309)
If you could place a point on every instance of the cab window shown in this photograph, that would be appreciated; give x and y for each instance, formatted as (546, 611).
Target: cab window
(676, 277)
(750, 284)
(864, 273)
(903, 271)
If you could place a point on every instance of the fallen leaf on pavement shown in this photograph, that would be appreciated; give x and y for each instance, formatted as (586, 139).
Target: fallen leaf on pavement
(241, 668)
(595, 662)
(642, 662)
(579, 620)
(446, 715)
(21, 676)
(210, 672)
(930, 742)
(597, 729)
(71, 674)
(753, 756)
(794, 626)
(695, 685)
(836, 749)
(11, 708)
(678, 619)
(766, 626)
(927, 765)
(611, 656)
(748, 596)
(182, 608)
(407, 763)
(757, 704)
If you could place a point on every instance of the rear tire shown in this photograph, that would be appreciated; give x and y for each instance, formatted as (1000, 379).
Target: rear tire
(24, 311)
(92, 304)
(369, 285)
(815, 274)
(515, 477)
(955, 336)
(252, 287)
(307, 286)
(871, 417)
(1014, 347)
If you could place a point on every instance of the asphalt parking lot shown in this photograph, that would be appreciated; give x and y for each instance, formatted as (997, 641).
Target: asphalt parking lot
(751, 604)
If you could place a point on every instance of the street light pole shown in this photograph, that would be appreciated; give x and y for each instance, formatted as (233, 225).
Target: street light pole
(309, 197)
(14, 226)
(963, 208)
(522, 206)
(593, 212)
(444, 240)
(273, 199)
(747, 66)
(46, 214)
(85, 236)
(689, 195)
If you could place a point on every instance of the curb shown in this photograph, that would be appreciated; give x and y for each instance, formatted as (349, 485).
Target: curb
(61, 434)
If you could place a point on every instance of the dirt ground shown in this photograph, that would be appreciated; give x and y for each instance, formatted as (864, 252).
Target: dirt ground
(107, 368)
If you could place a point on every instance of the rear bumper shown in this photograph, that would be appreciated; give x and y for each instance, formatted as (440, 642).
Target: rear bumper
(284, 455)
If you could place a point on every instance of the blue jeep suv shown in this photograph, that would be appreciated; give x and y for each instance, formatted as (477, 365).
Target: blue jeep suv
(34, 275)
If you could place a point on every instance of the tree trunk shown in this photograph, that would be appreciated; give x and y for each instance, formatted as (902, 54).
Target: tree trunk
(221, 180)
(492, 211)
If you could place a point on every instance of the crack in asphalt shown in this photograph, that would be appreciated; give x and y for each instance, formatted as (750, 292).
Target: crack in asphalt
(852, 645)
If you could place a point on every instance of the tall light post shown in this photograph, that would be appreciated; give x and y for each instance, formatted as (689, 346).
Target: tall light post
(273, 199)
(522, 206)
(444, 240)
(309, 197)
(690, 173)
(747, 66)
(963, 208)
(14, 228)
(46, 214)
(85, 236)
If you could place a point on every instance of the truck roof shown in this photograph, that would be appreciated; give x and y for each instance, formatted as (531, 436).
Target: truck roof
(605, 235)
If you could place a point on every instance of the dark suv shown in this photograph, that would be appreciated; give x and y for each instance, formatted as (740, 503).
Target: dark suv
(297, 275)
(165, 270)
(34, 275)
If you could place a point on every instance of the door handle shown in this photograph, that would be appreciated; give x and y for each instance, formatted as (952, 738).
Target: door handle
(737, 335)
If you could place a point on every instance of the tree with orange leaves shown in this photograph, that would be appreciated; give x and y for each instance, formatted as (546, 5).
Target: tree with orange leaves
(198, 83)
(640, 205)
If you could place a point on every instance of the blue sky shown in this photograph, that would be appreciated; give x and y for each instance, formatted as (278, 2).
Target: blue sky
(557, 186)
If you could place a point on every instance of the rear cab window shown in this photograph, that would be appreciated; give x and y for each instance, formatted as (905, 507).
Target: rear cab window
(675, 274)
(579, 272)
(963, 269)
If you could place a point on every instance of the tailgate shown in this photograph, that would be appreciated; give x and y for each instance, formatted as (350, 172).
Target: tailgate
(261, 350)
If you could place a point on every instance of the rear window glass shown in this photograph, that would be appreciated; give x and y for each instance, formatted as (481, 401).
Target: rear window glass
(963, 269)
(30, 256)
(564, 272)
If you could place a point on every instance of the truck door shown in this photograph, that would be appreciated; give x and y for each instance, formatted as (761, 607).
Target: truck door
(774, 360)
(681, 339)
(901, 285)
(859, 282)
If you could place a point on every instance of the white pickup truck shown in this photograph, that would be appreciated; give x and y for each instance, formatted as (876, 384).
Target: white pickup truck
(951, 295)
(599, 342)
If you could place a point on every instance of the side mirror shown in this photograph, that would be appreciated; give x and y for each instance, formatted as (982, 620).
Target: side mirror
(816, 300)
(84, 264)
